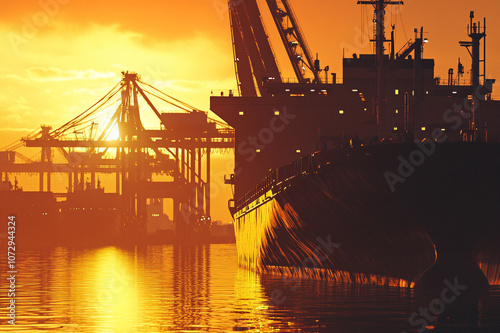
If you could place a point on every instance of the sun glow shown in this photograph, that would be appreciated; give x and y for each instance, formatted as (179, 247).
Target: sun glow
(113, 133)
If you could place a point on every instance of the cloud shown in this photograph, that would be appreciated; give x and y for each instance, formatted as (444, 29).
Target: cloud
(57, 74)
(80, 91)
(193, 86)
(187, 85)
(16, 129)
(15, 77)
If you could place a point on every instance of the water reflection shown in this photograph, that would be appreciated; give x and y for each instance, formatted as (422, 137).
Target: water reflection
(103, 289)
(323, 306)
(201, 289)
(151, 289)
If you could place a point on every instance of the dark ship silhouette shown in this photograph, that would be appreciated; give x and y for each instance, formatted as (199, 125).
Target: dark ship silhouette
(390, 177)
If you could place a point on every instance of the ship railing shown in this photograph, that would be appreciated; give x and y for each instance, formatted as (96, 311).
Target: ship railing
(276, 177)
(305, 165)
(338, 80)
(225, 131)
(224, 92)
(405, 47)
(454, 82)
(262, 188)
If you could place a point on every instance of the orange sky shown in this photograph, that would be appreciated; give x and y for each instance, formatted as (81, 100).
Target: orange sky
(60, 56)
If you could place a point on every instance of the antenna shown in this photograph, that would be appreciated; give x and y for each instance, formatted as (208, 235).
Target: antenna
(379, 7)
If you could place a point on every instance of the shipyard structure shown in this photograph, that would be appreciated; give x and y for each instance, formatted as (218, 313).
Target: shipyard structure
(394, 166)
(118, 173)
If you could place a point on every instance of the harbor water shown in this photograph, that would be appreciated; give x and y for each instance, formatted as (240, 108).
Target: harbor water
(200, 288)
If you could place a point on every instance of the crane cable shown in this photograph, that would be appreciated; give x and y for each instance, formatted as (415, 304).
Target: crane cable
(18, 143)
(402, 24)
(83, 123)
(188, 107)
(73, 122)
(171, 103)
(83, 118)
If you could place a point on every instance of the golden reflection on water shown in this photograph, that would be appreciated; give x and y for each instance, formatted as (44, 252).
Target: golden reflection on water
(197, 289)
(251, 303)
(103, 288)
(152, 289)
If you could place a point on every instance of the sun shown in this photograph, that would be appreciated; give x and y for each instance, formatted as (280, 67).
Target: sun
(113, 133)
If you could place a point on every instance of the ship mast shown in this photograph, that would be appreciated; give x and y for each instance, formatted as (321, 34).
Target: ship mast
(379, 6)
(474, 48)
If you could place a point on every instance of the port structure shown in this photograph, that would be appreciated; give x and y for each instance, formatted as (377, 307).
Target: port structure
(180, 149)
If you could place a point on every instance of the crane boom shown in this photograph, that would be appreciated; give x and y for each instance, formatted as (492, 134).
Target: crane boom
(293, 40)
(242, 64)
(254, 58)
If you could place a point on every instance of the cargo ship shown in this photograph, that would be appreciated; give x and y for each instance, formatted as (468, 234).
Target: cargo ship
(388, 177)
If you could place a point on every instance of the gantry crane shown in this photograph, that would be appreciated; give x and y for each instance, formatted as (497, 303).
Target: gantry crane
(176, 149)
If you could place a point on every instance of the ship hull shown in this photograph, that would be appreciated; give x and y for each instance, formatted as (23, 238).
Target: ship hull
(395, 214)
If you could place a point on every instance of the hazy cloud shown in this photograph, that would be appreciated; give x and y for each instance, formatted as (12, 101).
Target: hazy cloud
(15, 129)
(15, 77)
(57, 74)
